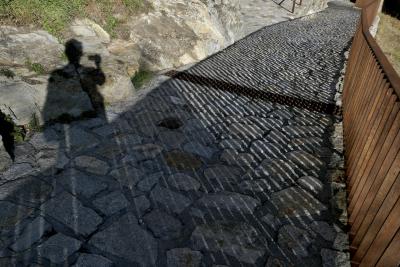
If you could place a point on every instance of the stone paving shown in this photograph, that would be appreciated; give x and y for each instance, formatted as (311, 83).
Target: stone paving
(194, 173)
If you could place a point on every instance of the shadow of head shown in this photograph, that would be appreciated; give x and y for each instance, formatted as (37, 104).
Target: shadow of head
(73, 51)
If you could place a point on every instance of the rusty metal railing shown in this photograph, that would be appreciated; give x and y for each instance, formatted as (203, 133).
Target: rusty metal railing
(371, 120)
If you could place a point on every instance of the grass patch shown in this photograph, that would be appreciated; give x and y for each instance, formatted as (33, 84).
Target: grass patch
(7, 72)
(55, 15)
(35, 67)
(141, 77)
(388, 38)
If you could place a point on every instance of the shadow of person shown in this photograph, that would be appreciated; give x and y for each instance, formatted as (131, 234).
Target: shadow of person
(73, 90)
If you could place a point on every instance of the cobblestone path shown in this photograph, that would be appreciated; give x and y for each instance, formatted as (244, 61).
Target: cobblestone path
(226, 163)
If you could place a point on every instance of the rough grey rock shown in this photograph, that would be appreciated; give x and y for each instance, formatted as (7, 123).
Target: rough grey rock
(183, 182)
(79, 139)
(169, 200)
(171, 139)
(333, 258)
(341, 242)
(58, 248)
(163, 225)
(295, 240)
(111, 203)
(295, 202)
(91, 164)
(126, 239)
(276, 262)
(92, 260)
(32, 233)
(183, 257)
(68, 210)
(238, 240)
(236, 144)
(229, 202)
(311, 184)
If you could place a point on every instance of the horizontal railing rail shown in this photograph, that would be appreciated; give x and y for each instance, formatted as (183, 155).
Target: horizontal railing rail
(371, 123)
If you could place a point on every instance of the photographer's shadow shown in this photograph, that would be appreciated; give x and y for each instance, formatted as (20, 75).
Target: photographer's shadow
(73, 90)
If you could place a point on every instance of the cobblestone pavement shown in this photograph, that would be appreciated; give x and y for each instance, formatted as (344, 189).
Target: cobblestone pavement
(203, 170)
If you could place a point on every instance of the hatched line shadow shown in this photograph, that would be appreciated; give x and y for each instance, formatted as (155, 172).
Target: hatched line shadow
(252, 93)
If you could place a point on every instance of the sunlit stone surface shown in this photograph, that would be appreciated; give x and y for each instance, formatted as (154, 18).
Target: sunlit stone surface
(228, 163)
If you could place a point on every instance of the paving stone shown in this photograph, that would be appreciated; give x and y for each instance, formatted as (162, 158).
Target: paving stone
(229, 202)
(244, 160)
(111, 203)
(182, 161)
(28, 191)
(11, 214)
(333, 258)
(183, 182)
(146, 151)
(92, 260)
(171, 139)
(68, 210)
(79, 183)
(324, 229)
(243, 131)
(271, 221)
(127, 240)
(223, 173)
(104, 130)
(238, 240)
(294, 240)
(295, 202)
(169, 200)
(311, 184)
(79, 140)
(128, 176)
(17, 171)
(31, 234)
(262, 149)
(183, 257)
(255, 186)
(163, 225)
(286, 171)
(281, 114)
(199, 150)
(91, 164)
(306, 160)
(142, 204)
(46, 140)
(236, 144)
(58, 248)
(276, 262)
(149, 182)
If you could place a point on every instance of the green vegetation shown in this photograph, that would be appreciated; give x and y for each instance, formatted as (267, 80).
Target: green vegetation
(36, 67)
(388, 38)
(54, 15)
(17, 132)
(34, 124)
(141, 77)
(7, 72)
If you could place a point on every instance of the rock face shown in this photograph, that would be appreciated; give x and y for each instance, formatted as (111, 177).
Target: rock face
(190, 30)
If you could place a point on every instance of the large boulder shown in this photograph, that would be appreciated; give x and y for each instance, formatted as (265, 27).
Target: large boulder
(177, 32)
(19, 46)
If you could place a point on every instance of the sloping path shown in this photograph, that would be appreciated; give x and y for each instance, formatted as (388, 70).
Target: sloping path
(226, 163)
